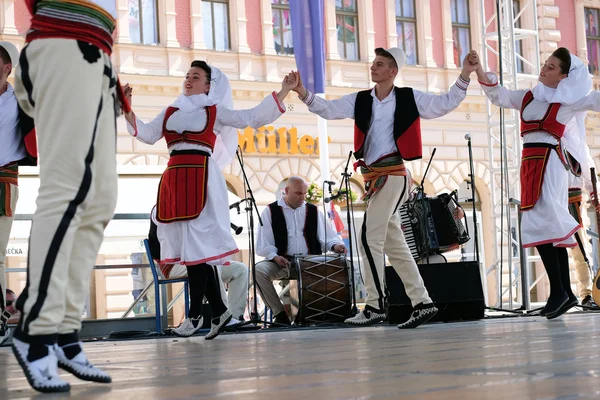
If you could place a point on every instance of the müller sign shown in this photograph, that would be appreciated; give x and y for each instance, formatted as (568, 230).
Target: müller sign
(268, 140)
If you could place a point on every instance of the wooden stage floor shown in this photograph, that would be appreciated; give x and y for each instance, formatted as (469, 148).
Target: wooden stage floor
(507, 358)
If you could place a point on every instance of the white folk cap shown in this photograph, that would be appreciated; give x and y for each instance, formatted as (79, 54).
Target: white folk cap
(12, 51)
(396, 52)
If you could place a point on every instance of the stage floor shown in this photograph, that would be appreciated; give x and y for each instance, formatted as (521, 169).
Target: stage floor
(505, 358)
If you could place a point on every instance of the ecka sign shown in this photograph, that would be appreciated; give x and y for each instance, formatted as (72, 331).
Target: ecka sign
(268, 140)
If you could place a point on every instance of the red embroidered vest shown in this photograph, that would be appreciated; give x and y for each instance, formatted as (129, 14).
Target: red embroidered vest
(206, 137)
(547, 124)
(407, 123)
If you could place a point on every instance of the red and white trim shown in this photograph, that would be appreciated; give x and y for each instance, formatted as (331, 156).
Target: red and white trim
(308, 99)
(557, 240)
(462, 84)
(280, 105)
(488, 84)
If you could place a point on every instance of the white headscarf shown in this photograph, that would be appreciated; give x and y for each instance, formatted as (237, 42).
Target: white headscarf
(219, 94)
(570, 90)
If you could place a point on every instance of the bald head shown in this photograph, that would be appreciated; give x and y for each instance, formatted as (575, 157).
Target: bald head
(295, 191)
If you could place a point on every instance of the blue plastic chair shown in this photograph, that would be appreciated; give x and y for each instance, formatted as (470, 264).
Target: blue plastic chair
(159, 279)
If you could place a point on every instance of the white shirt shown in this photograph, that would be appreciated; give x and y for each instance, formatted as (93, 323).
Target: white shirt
(11, 143)
(380, 137)
(151, 132)
(295, 220)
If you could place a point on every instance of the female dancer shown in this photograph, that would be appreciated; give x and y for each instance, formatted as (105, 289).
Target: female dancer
(191, 213)
(553, 140)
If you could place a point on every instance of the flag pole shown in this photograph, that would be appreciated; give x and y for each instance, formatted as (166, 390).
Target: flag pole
(323, 146)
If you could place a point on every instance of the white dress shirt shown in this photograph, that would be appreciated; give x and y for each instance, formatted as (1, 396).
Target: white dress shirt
(295, 220)
(380, 137)
(11, 144)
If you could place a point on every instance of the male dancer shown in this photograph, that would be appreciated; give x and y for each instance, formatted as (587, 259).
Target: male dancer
(66, 83)
(387, 132)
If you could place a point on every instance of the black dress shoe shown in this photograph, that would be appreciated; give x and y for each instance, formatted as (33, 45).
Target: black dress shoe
(282, 319)
(554, 304)
(567, 305)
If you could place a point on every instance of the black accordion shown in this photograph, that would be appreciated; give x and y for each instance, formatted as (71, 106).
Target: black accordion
(433, 225)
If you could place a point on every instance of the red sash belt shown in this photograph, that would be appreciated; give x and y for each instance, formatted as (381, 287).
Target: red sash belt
(534, 160)
(183, 187)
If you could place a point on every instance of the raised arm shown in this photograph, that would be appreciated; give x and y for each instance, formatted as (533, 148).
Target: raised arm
(499, 95)
(437, 105)
(271, 108)
(341, 108)
(148, 133)
(591, 102)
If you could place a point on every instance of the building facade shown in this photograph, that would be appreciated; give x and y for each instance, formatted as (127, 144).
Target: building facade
(251, 41)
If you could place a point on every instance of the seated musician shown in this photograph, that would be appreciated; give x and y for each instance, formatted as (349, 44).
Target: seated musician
(290, 227)
(234, 274)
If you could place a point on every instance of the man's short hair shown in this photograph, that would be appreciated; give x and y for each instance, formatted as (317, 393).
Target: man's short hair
(4, 56)
(8, 291)
(295, 179)
(384, 53)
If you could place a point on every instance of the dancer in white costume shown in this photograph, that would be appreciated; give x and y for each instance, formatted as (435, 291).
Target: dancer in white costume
(192, 214)
(554, 139)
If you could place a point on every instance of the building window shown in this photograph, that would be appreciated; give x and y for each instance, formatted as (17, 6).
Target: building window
(346, 15)
(593, 39)
(406, 28)
(518, 43)
(461, 30)
(143, 24)
(282, 27)
(215, 20)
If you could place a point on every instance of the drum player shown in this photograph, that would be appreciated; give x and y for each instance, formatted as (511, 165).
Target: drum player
(291, 227)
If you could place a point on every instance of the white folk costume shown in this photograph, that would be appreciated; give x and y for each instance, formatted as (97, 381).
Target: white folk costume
(192, 210)
(553, 140)
(66, 83)
(386, 133)
(581, 251)
(12, 151)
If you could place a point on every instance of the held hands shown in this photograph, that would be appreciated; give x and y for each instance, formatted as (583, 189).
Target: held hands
(290, 81)
(474, 59)
(470, 64)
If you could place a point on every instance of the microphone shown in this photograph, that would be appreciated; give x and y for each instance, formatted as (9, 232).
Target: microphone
(330, 183)
(335, 196)
(236, 229)
(468, 137)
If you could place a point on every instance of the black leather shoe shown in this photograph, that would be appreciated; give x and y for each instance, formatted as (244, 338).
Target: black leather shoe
(589, 302)
(567, 305)
(282, 319)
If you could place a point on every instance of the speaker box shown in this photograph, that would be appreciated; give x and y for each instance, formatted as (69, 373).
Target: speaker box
(455, 289)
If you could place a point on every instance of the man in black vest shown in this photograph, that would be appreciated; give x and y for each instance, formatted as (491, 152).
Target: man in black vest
(387, 132)
(290, 227)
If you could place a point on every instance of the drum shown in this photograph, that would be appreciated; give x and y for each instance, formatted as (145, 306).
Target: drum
(322, 291)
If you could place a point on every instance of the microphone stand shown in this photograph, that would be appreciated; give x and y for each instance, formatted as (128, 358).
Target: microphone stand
(472, 177)
(250, 208)
(346, 182)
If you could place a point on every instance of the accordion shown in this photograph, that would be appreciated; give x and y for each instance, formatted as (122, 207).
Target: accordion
(433, 225)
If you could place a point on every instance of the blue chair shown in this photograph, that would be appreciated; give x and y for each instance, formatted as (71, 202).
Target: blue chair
(159, 279)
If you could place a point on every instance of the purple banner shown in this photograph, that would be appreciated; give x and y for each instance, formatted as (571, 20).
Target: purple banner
(308, 33)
